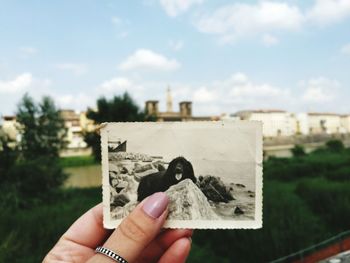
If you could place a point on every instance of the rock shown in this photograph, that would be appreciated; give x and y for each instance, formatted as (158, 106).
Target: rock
(113, 168)
(120, 186)
(119, 200)
(124, 170)
(114, 182)
(143, 168)
(113, 174)
(238, 211)
(240, 185)
(186, 202)
(214, 189)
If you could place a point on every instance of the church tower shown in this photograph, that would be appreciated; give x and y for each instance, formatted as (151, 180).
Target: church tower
(169, 101)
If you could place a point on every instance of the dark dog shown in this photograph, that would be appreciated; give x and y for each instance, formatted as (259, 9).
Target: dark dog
(179, 169)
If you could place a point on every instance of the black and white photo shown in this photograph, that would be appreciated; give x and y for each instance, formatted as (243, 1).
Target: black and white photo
(211, 171)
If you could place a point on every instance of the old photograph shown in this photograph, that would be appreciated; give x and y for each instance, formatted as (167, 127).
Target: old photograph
(211, 171)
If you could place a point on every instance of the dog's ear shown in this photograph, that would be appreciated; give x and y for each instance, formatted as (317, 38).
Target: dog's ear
(191, 171)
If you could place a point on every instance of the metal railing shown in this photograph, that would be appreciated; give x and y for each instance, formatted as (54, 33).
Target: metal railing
(302, 254)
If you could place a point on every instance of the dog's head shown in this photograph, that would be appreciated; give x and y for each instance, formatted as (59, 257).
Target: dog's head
(181, 169)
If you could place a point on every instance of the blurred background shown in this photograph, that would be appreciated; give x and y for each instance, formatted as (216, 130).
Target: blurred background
(67, 66)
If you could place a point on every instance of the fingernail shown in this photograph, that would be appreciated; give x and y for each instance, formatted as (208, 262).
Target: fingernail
(156, 204)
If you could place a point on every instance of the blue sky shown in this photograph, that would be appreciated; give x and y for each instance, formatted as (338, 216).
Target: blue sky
(223, 55)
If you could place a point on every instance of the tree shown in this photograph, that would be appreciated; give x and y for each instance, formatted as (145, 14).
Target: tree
(33, 172)
(8, 157)
(118, 109)
(298, 151)
(335, 145)
(41, 127)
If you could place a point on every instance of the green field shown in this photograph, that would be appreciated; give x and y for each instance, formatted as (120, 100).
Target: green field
(306, 200)
(77, 161)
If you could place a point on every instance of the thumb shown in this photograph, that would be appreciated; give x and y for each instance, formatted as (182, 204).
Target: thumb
(138, 229)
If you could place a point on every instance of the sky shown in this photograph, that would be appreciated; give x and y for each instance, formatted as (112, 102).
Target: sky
(225, 56)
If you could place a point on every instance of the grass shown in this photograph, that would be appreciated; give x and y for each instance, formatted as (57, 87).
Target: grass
(35, 231)
(77, 161)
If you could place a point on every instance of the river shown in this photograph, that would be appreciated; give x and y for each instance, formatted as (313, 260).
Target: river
(83, 177)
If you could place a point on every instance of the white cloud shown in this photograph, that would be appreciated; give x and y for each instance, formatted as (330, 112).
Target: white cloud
(242, 86)
(123, 34)
(345, 49)
(116, 84)
(239, 77)
(319, 90)
(237, 92)
(240, 19)
(75, 68)
(203, 95)
(176, 45)
(237, 20)
(116, 20)
(149, 60)
(176, 7)
(19, 84)
(270, 40)
(26, 52)
(328, 11)
(78, 101)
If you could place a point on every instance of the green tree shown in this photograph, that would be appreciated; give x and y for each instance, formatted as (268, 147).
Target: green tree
(33, 172)
(298, 150)
(335, 145)
(8, 156)
(118, 109)
(41, 127)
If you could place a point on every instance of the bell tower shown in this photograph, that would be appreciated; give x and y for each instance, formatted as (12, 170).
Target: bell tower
(169, 100)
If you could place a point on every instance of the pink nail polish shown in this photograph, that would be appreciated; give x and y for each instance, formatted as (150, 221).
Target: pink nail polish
(156, 204)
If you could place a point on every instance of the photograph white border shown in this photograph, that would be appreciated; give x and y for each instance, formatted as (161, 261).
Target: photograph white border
(193, 224)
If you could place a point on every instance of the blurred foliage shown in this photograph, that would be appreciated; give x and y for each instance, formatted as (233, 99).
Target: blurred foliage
(27, 235)
(328, 200)
(118, 109)
(335, 145)
(30, 172)
(298, 150)
(41, 128)
(92, 139)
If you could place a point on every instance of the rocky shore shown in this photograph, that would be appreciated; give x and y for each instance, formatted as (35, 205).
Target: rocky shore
(210, 198)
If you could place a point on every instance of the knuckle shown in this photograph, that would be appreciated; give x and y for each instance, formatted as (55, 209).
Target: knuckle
(132, 230)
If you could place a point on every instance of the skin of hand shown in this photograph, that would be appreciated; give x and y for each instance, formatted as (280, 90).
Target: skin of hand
(138, 239)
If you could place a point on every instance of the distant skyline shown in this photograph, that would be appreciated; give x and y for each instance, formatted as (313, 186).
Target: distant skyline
(225, 56)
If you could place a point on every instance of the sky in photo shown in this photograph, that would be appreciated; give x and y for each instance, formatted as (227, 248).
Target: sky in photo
(231, 150)
(223, 55)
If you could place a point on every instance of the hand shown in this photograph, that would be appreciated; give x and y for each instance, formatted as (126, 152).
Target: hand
(137, 239)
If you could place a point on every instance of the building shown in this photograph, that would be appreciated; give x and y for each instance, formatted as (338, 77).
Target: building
(229, 117)
(72, 121)
(10, 127)
(184, 113)
(85, 123)
(302, 122)
(324, 123)
(275, 122)
(345, 123)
